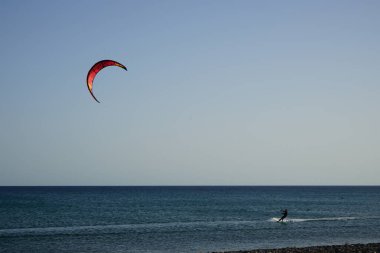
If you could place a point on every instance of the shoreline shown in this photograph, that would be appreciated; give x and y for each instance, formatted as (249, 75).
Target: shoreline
(349, 248)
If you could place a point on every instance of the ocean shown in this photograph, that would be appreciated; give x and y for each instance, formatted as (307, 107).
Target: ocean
(185, 219)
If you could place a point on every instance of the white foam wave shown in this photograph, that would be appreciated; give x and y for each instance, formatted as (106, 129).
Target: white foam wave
(275, 219)
(152, 226)
(95, 228)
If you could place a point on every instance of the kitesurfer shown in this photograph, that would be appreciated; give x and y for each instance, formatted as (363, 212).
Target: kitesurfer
(284, 214)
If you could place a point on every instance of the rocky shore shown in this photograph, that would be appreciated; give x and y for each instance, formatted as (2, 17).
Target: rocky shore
(347, 248)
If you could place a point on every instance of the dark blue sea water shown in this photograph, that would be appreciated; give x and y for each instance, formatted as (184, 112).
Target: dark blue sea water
(184, 219)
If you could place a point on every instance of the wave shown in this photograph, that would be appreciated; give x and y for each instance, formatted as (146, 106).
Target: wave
(275, 219)
(191, 225)
(145, 226)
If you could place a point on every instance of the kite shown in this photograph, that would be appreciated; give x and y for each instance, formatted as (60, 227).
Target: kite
(95, 69)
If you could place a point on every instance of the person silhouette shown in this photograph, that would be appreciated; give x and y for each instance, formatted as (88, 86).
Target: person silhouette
(284, 214)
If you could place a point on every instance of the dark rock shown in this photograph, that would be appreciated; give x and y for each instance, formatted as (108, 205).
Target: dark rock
(346, 248)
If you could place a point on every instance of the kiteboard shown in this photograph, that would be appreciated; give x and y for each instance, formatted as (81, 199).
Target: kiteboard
(284, 221)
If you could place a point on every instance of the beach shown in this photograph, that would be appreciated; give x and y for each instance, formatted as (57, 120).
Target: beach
(346, 248)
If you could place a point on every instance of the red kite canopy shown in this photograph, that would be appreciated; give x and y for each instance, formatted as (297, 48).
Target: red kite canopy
(96, 68)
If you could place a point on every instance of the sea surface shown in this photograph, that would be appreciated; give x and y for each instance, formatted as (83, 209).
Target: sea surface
(184, 219)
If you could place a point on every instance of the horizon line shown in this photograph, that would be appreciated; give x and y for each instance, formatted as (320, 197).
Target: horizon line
(287, 185)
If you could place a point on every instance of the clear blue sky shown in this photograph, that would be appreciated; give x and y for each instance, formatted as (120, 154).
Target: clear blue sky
(216, 93)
